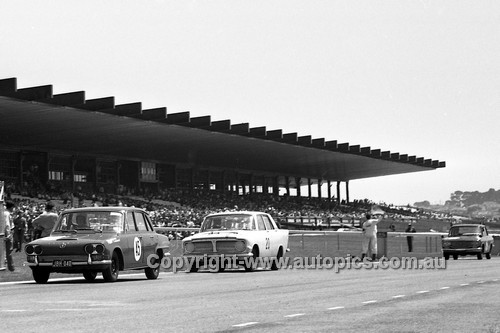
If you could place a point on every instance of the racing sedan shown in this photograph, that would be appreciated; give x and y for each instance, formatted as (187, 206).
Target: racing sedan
(96, 240)
(244, 236)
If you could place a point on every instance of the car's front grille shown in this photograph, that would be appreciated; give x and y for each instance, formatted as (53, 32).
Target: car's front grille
(203, 247)
(463, 245)
(222, 247)
(226, 246)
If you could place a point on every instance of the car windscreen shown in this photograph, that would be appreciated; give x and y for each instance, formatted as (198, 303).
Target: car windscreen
(464, 231)
(228, 222)
(93, 221)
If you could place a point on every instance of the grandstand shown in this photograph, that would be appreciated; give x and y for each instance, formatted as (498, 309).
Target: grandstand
(65, 144)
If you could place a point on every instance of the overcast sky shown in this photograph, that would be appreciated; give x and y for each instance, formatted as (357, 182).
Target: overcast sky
(415, 77)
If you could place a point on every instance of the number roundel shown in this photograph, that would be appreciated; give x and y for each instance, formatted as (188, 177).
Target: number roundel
(137, 249)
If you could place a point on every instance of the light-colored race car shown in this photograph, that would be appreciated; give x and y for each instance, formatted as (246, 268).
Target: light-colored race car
(243, 238)
(96, 240)
(467, 239)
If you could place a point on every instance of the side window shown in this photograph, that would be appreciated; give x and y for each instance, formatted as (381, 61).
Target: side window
(260, 223)
(140, 222)
(149, 225)
(129, 222)
(267, 222)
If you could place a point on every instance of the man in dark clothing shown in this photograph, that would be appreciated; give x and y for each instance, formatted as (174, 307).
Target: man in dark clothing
(19, 230)
(409, 239)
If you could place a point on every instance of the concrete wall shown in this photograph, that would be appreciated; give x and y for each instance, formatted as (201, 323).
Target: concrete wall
(342, 244)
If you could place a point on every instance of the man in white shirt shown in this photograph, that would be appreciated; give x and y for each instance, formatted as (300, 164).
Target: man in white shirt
(9, 209)
(370, 236)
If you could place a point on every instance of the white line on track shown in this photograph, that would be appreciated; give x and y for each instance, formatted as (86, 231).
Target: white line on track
(337, 308)
(246, 324)
(294, 315)
(464, 284)
(479, 282)
(398, 296)
(370, 302)
(72, 279)
(422, 291)
(495, 280)
(443, 288)
(20, 310)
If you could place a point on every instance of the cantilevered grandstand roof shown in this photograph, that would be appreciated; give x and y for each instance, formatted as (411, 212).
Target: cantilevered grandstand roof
(35, 119)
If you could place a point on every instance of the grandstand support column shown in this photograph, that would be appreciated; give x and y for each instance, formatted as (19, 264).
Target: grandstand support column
(287, 185)
(338, 192)
(320, 182)
(73, 165)
(21, 171)
(329, 183)
(276, 186)
(347, 191)
(309, 185)
(298, 182)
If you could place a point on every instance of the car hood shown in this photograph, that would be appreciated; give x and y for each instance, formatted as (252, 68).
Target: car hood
(462, 238)
(83, 238)
(216, 234)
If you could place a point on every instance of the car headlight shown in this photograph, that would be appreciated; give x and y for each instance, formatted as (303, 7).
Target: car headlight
(29, 249)
(94, 248)
(240, 246)
(37, 249)
(189, 247)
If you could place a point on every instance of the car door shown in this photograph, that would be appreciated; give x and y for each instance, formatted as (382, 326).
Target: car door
(132, 252)
(147, 234)
(272, 236)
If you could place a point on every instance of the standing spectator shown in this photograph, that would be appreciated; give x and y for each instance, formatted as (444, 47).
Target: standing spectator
(19, 230)
(9, 209)
(409, 239)
(370, 237)
(44, 223)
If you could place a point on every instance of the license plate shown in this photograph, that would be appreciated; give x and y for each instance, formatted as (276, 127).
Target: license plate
(62, 263)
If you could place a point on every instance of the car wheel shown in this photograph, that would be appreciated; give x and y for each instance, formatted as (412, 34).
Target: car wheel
(455, 256)
(90, 276)
(446, 256)
(479, 256)
(276, 262)
(488, 255)
(195, 265)
(250, 264)
(110, 274)
(41, 275)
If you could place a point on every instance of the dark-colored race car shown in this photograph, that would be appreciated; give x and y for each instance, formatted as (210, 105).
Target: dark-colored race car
(468, 239)
(98, 239)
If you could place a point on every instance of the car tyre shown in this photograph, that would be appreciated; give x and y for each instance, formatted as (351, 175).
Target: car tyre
(274, 265)
(488, 255)
(40, 274)
(194, 267)
(479, 256)
(446, 256)
(110, 274)
(90, 276)
(455, 256)
(250, 266)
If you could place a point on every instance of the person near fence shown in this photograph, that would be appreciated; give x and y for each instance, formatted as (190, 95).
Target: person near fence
(369, 245)
(409, 239)
(9, 209)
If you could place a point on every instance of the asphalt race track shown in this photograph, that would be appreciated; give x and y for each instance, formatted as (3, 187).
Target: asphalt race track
(464, 297)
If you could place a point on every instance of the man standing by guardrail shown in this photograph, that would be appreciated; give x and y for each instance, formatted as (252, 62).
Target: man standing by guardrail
(370, 236)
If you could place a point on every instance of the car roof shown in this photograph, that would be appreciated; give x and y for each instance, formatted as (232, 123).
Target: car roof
(246, 212)
(102, 209)
(467, 225)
